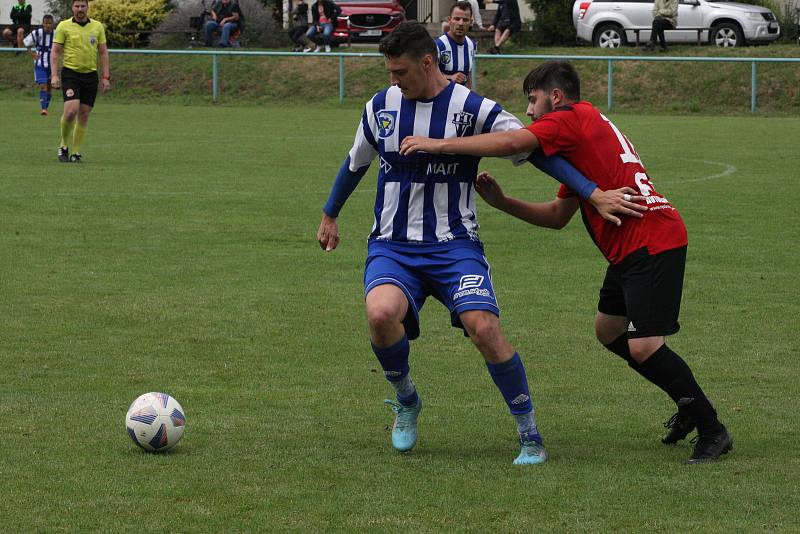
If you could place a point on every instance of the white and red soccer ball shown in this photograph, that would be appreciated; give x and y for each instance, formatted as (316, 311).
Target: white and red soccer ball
(155, 422)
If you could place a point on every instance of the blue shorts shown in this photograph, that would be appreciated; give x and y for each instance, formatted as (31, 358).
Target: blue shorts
(41, 74)
(455, 273)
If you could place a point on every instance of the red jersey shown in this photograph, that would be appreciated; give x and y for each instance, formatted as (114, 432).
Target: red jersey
(594, 146)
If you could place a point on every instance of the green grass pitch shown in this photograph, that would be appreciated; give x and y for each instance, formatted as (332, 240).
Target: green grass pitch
(181, 257)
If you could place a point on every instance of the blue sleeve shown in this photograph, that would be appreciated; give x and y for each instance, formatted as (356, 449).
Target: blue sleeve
(563, 171)
(344, 185)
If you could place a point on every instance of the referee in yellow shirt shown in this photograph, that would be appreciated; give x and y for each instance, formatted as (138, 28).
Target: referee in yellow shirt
(78, 41)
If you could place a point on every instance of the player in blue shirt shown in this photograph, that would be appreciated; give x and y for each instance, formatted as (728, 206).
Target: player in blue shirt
(42, 41)
(424, 240)
(456, 49)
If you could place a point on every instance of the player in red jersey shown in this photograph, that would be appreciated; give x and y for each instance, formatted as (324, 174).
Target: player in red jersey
(641, 294)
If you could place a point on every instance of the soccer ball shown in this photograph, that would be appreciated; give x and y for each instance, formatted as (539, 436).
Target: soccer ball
(155, 422)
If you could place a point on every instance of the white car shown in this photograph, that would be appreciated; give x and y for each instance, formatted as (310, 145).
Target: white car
(615, 23)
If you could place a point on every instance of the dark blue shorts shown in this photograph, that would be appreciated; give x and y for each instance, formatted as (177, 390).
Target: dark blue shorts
(41, 74)
(456, 274)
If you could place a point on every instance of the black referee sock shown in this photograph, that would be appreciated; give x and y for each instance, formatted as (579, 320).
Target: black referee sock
(680, 385)
(620, 347)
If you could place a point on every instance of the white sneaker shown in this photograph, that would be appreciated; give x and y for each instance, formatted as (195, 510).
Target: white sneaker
(327, 48)
(307, 50)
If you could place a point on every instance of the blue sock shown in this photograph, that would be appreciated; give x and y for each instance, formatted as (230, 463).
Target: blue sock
(394, 361)
(513, 384)
(43, 99)
(47, 100)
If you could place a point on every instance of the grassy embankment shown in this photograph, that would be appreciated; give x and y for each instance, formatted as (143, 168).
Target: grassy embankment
(640, 86)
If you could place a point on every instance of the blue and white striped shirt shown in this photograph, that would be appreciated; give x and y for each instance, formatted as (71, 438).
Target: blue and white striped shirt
(425, 198)
(454, 57)
(43, 41)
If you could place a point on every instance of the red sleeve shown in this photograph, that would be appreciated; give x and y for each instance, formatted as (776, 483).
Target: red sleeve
(555, 132)
(565, 192)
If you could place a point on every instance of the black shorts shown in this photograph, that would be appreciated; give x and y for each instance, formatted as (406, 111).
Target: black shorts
(503, 26)
(26, 29)
(647, 291)
(79, 86)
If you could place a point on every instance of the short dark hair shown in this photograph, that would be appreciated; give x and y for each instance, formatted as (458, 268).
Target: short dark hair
(48, 16)
(554, 75)
(463, 6)
(410, 38)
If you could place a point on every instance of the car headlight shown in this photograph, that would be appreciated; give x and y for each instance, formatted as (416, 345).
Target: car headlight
(755, 16)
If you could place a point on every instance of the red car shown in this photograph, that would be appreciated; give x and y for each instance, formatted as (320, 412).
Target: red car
(367, 20)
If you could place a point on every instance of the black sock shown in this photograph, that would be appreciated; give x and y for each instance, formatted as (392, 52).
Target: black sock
(620, 347)
(679, 383)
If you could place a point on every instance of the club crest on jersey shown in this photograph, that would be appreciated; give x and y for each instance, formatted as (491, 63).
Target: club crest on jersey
(462, 121)
(386, 122)
(445, 57)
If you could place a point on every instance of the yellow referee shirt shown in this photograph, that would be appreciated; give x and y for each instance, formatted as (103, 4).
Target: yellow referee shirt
(80, 43)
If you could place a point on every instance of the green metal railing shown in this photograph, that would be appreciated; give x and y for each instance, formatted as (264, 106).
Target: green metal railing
(341, 56)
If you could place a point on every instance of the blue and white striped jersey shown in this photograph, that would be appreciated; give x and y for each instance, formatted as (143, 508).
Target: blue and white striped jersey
(425, 198)
(454, 57)
(43, 42)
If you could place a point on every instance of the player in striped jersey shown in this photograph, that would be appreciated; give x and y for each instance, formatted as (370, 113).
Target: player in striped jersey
(42, 40)
(456, 49)
(424, 241)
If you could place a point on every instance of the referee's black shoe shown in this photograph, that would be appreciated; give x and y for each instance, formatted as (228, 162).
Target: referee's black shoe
(63, 154)
(679, 425)
(75, 158)
(709, 447)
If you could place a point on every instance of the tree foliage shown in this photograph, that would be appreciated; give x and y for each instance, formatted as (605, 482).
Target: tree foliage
(553, 24)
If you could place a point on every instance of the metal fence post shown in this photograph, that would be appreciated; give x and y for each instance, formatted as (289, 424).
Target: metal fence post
(474, 74)
(753, 88)
(214, 78)
(610, 84)
(341, 79)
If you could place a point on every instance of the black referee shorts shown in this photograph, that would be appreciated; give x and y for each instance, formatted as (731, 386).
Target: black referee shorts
(79, 86)
(647, 291)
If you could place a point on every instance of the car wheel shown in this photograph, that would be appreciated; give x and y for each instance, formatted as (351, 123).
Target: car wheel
(727, 34)
(609, 35)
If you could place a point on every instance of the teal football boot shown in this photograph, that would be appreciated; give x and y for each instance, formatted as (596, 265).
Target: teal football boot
(531, 452)
(404, 431)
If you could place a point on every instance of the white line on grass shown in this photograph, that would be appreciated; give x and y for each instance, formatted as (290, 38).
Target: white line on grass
(728, 170)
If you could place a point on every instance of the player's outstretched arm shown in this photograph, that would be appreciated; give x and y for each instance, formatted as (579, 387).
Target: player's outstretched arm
(495, 144)
(554, 214)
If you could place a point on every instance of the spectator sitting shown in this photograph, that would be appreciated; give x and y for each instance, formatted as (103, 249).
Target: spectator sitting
(324, 14)
(226, 15)
(20, 23)
(665, 17)
(299, 25)
(506, 23)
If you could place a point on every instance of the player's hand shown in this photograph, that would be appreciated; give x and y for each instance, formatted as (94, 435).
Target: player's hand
(55, 82)
(328, 233)
(415, 143)
(621, 201)
(105, 85)
(489, 190)
(459, 77)
(490, 28)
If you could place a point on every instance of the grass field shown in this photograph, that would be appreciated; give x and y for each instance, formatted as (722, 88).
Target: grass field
(181, 257)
